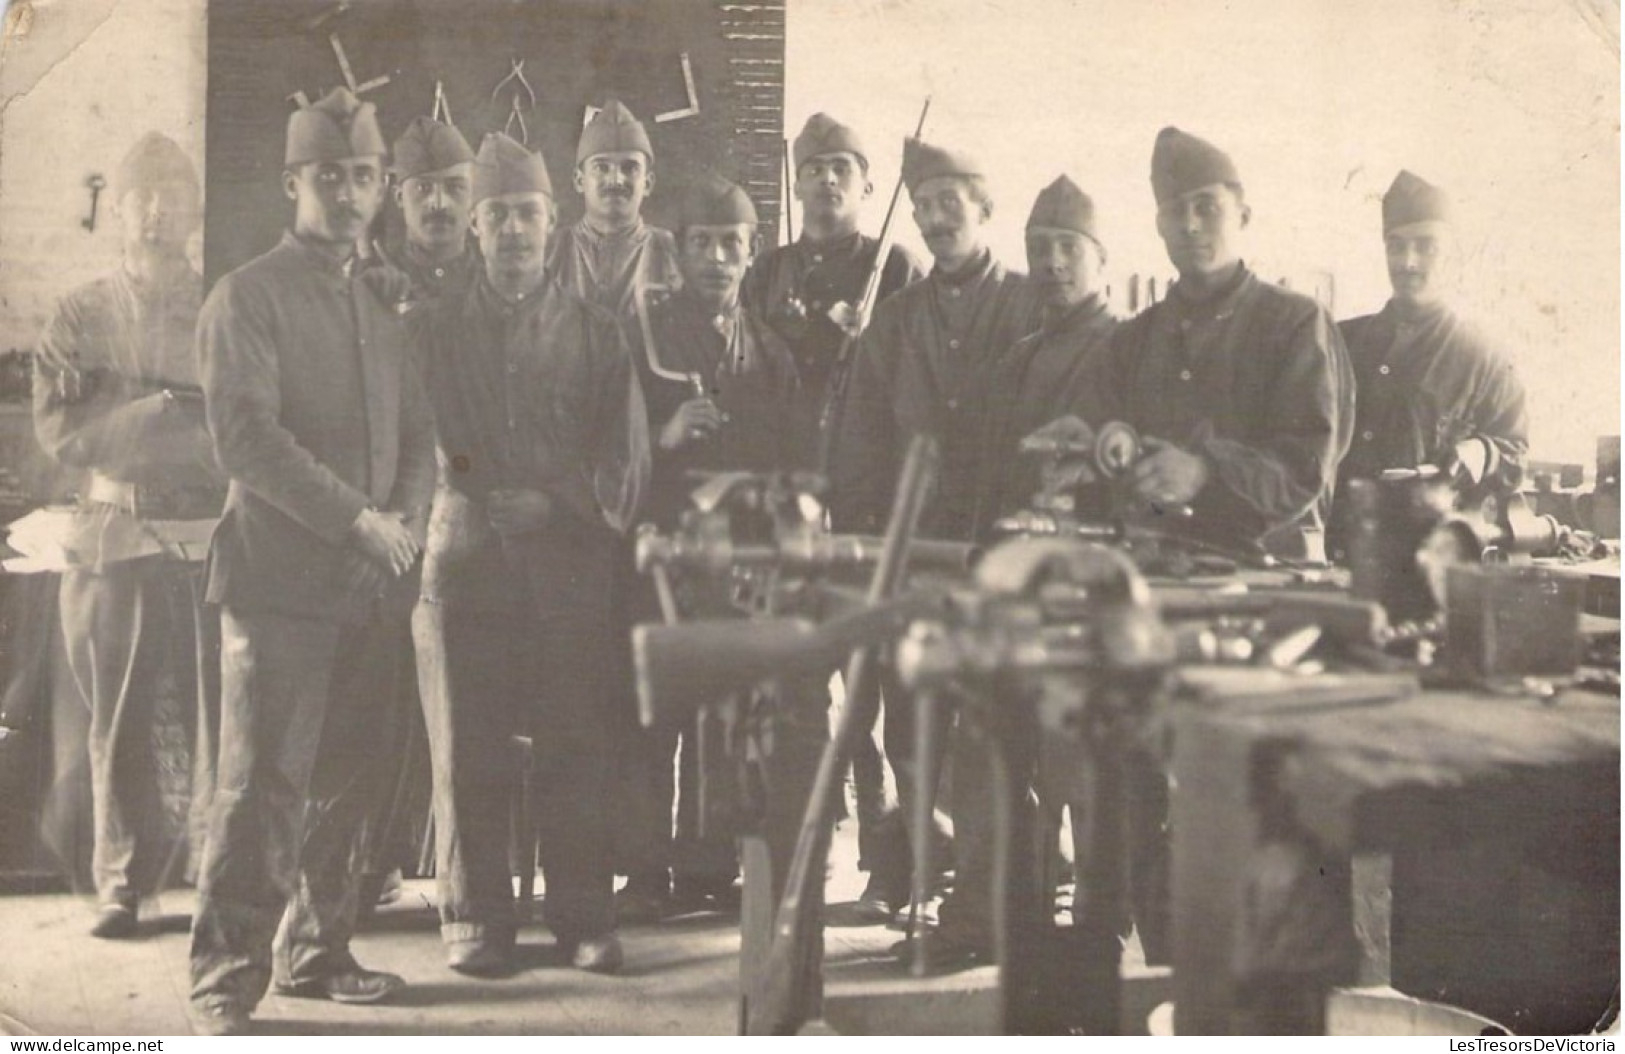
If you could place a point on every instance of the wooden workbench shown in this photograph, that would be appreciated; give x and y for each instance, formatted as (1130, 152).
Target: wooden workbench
(1502, 815)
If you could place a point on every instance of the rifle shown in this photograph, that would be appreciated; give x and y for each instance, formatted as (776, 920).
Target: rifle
(840, 374)
(680, 667)
(790, 987)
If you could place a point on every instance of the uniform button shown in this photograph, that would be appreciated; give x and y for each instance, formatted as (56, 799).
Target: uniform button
(954, 343)
(953, 292)
(1185, 323)
(1368, 435)
(1383, 369)
(513, 367)
(818, 258)
(953, 404)
(1184, 375)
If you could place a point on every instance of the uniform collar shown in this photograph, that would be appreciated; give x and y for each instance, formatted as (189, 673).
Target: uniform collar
(1410, 314)
(978, 268)
(1082, 313)
(593, 237)
(419, 260)
(485, 299)
(1214, 304)
(318, 259)
(840, 245)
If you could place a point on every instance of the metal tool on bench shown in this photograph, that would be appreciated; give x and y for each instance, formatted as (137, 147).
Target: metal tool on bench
(683, 666)
(763, 529)
(1077, 459)
(1059, 636)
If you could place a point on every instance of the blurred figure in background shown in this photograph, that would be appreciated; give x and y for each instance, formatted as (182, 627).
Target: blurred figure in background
(117, 397)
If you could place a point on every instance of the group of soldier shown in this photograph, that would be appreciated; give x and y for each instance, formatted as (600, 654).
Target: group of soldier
(458, 434)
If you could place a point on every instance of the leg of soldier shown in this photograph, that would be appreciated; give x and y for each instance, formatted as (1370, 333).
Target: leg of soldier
(967, 914)
(205, 629)
(274, 695)
(466, 678)
(705, 859)
(645, 781)
(567, 683)
(894, 857)
(113, 623)
(359, 747)
(1146, 796)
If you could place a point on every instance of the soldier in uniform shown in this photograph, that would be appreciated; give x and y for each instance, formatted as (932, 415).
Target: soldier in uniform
(926, 365)
(808, 291)
(1240, 390)
(116, 396)
(434, 172)
(610, 256)
(1433, 388)
(1057, 370)
(724, 410)
(543, 435)
(321, 423)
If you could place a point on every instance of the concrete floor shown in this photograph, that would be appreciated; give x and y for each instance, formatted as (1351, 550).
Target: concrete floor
(680, 977)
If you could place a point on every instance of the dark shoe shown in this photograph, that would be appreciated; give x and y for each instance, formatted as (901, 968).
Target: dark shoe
(880, 901)
(217, 1021)
(633, 908)
(114, 922)
(944, 952)
(598, 954)
(708, 893)
(479, 958)
(354, 985)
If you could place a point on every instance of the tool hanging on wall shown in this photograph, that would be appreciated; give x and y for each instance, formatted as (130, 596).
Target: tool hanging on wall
(349, 73)
(96, 182)
(442, 109)
(516, 73)
(693, 107)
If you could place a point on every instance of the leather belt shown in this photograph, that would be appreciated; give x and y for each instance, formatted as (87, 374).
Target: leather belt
(153, 503)
(108, 491)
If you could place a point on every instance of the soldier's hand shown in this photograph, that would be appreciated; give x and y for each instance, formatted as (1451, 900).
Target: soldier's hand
(694, 420)
(364, 580)
(846, 316)
(384, 538)
(517, 511)
(1166, 475)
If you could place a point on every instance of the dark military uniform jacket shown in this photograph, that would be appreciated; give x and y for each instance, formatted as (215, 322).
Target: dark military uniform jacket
(1427, 381)
(535, 395)
(316, 414)
(1254, 379)
(746, 370)
(609, 270)
(1059, 370)
(795, 286)
(116, 395)
(927, 365)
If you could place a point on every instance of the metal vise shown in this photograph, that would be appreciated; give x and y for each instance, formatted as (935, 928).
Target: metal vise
(1060, 638)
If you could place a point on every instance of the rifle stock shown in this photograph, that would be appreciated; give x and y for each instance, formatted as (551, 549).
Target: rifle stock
(688, 665)
(792, 987)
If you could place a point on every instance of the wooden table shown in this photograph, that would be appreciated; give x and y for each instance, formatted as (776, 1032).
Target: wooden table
(1273, 798)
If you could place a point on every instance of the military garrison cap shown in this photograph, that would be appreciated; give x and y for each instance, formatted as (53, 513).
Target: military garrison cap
(713, 201)
(429, 145)
(1412, 199)
(823, 134)
(504, 166)
(922, 161)
(340, 126)
(1181, 163)
(154, 160)
(611, 130)
(1063, 204)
